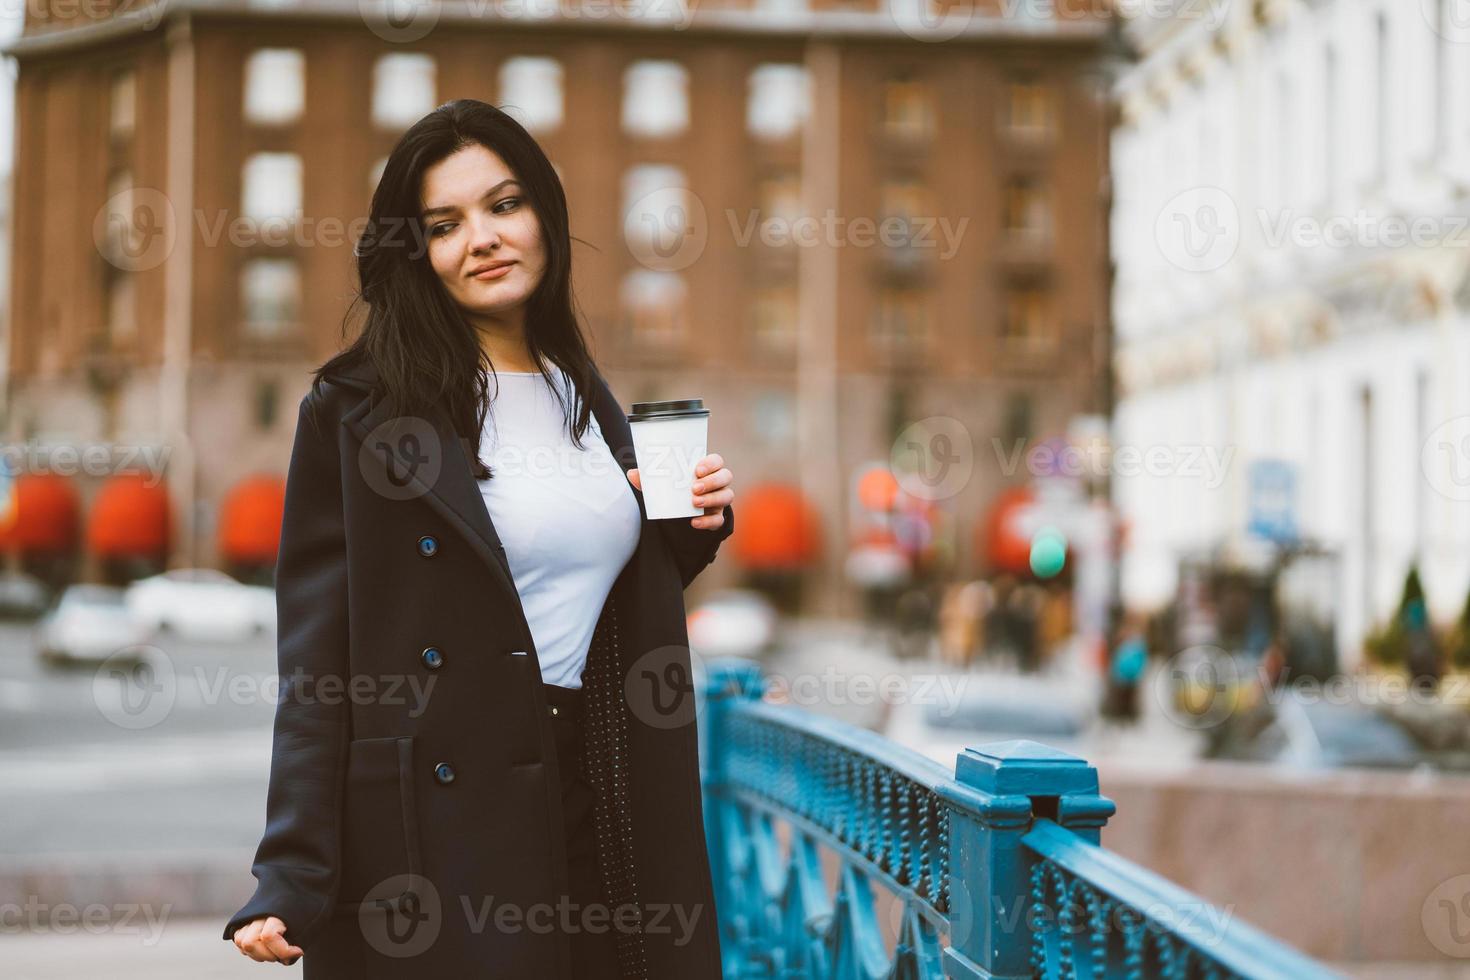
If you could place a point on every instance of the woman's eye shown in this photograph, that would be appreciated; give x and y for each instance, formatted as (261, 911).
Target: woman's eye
(439, 229)
(509, 200)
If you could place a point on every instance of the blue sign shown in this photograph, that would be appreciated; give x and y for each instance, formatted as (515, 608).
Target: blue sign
(1272, 504)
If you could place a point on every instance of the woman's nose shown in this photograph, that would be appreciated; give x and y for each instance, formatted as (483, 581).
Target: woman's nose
(484, 236)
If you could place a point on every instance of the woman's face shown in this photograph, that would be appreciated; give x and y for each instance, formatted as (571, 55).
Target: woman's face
(484, 238)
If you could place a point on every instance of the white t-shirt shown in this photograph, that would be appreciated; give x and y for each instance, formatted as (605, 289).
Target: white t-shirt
(567, 517)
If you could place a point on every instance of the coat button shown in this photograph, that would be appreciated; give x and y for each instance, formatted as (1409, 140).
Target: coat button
(444, 772)
(432, 658)
(428, 546)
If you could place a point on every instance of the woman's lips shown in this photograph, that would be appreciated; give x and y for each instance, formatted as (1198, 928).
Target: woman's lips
(494, 273)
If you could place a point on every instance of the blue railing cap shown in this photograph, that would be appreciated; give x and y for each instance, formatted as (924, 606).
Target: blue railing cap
(738, 676)
(1026, 768)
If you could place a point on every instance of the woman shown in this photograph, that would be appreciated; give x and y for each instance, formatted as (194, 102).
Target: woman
(437, 807)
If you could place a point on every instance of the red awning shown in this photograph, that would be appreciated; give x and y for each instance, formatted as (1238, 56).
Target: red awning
(1004, 537)
(776, 529)
(42, 516)
(129, 518)
(250, 519)
(878, 489)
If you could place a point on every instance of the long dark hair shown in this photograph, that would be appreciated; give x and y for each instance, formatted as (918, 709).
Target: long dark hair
(425, 351)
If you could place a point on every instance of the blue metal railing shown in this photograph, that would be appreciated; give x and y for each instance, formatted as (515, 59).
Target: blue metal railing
(993, 870)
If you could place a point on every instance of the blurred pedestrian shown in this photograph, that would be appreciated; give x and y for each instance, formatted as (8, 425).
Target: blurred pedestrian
(1126, 666)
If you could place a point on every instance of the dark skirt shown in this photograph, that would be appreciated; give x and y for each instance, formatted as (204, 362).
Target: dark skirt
(594, 950)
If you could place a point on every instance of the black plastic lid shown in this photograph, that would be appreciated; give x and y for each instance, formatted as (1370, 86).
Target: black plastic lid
(646, 411)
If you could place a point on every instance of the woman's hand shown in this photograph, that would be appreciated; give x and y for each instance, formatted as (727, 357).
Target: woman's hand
(264, 939)
(711, 490)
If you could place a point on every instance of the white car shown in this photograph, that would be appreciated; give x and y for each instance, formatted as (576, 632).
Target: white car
(203, 604)
(89, 622)
(732, 623)
(947, 714)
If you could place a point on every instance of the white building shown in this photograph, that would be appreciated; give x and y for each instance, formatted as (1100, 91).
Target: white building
(1291, 228)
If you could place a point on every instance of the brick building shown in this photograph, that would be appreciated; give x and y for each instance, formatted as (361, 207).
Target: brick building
(189, 178)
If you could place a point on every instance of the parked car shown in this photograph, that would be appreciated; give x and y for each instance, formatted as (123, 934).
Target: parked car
(89, 623)
(1313, 733)
(22, 596)
(941, 716)
(733, 623)
(203, 604)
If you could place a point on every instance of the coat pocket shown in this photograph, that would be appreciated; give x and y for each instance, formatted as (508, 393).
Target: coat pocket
(380, 840)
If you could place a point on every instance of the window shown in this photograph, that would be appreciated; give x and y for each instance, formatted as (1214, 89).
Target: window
(653, 306)
(657, 206)
(275, 86)
(900, 321)
(1329, 123)
(271, 187)
(270, 297)
(655, 99)
(904, 202)
(1024, 327)
(780, 204)
(122, 307)
(531, 92)
(1018, 417)
(778, 101)
(908, 110)
(1286, 152)
(773, 418)
(773, 318)
(403, 89)
(267, 402)
(1030, 110)
(123, 104)
(123, 236)
(1381, 81)
(1027, 211)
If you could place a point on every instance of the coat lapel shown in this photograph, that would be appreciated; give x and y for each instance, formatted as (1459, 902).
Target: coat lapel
(453, 492)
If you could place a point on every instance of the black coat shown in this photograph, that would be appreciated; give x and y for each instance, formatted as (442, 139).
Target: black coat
(382, 861)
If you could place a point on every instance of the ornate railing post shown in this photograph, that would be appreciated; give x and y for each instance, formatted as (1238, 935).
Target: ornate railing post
(999, 789)
(727, 682)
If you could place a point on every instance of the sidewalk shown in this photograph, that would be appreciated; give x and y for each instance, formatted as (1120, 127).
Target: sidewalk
(170, 949)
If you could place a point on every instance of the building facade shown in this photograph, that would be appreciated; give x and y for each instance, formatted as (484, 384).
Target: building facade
(1290, 228)
(187, 191)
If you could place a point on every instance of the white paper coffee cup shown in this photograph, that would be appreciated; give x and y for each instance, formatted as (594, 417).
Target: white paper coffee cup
(669, 440)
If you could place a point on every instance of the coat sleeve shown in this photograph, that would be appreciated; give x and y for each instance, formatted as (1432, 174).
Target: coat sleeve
(296, 864)
(694, 547)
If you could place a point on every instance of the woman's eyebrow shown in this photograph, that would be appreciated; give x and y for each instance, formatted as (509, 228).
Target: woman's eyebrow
(449, 208)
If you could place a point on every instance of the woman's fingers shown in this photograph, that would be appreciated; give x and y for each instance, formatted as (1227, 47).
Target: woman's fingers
(715, 501)
(716, 480)
(264, 941)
